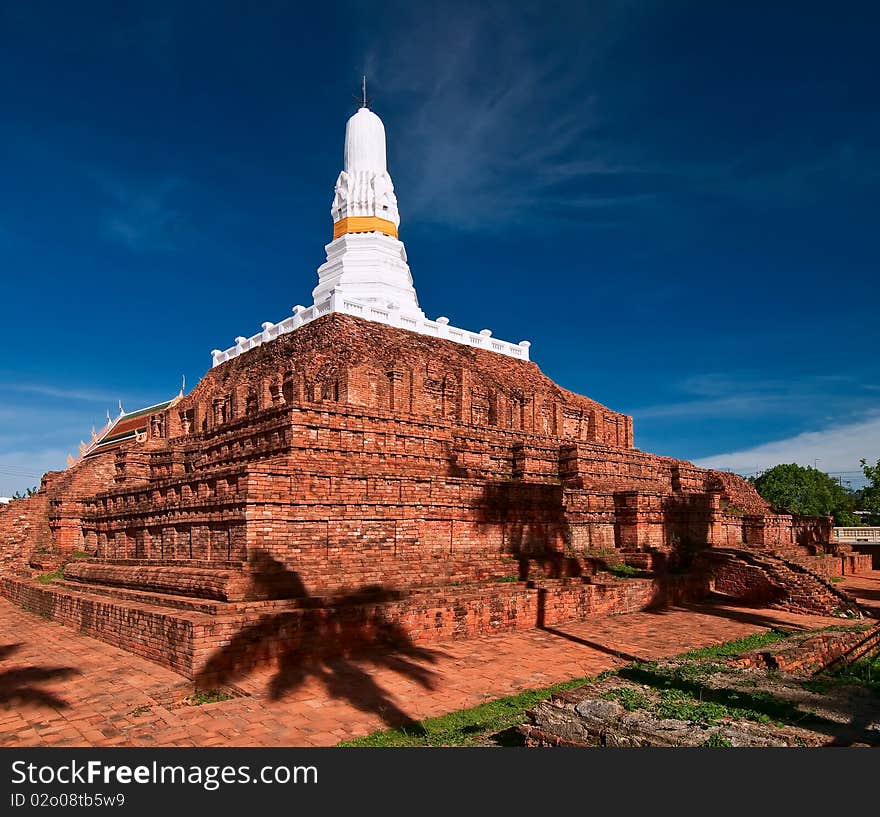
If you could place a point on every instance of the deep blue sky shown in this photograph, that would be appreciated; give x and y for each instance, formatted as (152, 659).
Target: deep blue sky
(677, 203)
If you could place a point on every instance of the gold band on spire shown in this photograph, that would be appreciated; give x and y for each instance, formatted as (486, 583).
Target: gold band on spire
(364, 224)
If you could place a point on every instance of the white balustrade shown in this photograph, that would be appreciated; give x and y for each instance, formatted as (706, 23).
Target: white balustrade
(390, 317)
(858, 534)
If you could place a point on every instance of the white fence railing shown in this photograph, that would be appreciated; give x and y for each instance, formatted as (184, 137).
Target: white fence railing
(439, 328)
(870, 535)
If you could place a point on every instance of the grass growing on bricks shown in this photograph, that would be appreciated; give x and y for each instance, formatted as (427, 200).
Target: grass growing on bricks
(475, 726)
(466, 727)
(208, 696)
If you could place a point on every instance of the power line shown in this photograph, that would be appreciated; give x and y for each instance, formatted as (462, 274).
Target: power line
(9, 473)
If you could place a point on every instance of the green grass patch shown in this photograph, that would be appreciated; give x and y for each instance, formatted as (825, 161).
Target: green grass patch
(717, 741)
(836, 579)
(508, 579)
(684, 695)
(864, 672)
(681, 705)
(208, 696)
(48, 578)
(630, 699)
(467, 727)
(624, 571)
(739, 645)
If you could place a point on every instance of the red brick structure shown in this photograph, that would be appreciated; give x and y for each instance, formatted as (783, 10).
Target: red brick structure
(335, 482)
(366, 480)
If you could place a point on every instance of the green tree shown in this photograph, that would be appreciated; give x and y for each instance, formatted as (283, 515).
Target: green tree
(808, 491)
(28, 492)
(871, 492)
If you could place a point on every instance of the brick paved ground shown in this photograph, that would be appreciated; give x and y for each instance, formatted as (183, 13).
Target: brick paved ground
(59, 688)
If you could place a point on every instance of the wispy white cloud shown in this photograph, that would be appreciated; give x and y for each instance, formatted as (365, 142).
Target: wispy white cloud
(500, 129)
(143, 216)
(838, 449)
(749, 395)
(86, 395)
(496, 123)
(743, 405)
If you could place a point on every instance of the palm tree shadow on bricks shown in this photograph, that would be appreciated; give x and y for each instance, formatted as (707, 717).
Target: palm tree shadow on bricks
(20, 685)
(327, 639)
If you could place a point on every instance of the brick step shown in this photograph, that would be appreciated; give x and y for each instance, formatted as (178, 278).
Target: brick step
(561, 581)
(158, 633)
(200, 583)
(192, 636)
(158, 600)
(209, 564)
(466, 592)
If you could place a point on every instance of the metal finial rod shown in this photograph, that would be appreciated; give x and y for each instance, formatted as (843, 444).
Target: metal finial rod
(364, 86)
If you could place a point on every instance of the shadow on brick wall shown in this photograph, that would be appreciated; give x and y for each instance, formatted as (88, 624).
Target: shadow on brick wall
(20, 685)
(339, 640)
(531, 520)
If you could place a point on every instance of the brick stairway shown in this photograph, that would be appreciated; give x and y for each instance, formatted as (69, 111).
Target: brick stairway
(797, 588)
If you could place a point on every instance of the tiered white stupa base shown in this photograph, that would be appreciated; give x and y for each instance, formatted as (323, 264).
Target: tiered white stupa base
(369, 268)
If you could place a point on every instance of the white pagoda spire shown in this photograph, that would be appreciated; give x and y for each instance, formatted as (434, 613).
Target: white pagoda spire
(366, 261)
(366, 274)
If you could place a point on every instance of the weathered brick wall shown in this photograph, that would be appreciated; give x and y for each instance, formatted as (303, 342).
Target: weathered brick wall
(871, 554)
(422, 619)
(564, 600)
(48, 525)
(591, 521)
(745, 582)
(67, 495)
(197, 644)
(814, 653)
(342, 359)
(339, 532)
(811, 530)
(739, 495)
(165, 637)
(837, 565)
(24, 527)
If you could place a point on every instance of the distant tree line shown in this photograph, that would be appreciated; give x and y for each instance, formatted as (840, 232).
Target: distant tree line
(809, 491)
(869, 496)
(25, 494)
